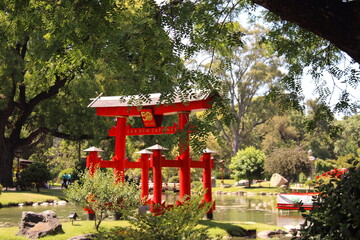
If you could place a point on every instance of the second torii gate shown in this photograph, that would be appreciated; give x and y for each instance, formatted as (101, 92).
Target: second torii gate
(152, 114)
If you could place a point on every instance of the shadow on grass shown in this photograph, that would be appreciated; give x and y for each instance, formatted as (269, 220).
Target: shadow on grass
(231, 229)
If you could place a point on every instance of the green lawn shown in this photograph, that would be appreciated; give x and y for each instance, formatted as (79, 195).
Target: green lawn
(255, 188)
(215, 228)
(7, 197)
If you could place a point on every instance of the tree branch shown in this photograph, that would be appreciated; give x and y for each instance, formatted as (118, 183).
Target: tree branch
(28, 108)
(336, 21)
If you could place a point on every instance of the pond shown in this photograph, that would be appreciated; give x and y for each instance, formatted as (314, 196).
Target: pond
(261, 209)
(236, 208)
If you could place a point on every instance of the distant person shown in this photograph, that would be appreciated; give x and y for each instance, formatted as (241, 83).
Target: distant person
(69, 180)
(64, 179)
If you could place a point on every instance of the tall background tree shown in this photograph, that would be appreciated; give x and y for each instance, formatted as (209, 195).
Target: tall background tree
(246, 70)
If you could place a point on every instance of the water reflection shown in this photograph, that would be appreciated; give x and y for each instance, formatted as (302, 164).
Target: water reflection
(261, 209)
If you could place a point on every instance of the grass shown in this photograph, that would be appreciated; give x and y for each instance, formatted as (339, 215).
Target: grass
(14, 197)
(79, 228)
(255, 188)
(215, 228)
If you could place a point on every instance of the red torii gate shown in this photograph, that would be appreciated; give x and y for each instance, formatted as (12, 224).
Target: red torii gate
(152, 114)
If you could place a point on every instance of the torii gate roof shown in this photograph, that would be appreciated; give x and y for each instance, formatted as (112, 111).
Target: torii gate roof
(131, 105)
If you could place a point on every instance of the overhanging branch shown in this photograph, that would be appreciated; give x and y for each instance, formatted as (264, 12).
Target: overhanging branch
(335, 21)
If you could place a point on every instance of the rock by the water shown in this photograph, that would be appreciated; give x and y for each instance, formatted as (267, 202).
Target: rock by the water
(142, 210)
(277, 180)
(265, 234)
(36, 225)
(280, 231)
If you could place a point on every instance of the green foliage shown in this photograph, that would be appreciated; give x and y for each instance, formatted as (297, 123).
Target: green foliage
(175, 223)
(322, 166)
(305, 51)
(1, 187)
(219, 175)
(336, 210)
(288, 162)
(248, 163)
(102, 194)
(309, 183)
(174, 179)
(346, 161)
(277, 132)
(34, 175)
(349, 140)
(302, 178)
(65, 171)
(80, 168)
(244, 71)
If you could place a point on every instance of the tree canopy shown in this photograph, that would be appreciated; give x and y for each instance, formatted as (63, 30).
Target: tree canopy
(288, 162)
(248, 163)
(55, 56)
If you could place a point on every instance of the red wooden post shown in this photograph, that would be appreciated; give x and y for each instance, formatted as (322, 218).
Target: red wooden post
(157, 176)
(120, 148)
(144, 159)
(184, 171)
(207, 179)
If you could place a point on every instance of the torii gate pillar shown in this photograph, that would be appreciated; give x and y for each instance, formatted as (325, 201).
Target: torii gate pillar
(120, 147)
(184, 171)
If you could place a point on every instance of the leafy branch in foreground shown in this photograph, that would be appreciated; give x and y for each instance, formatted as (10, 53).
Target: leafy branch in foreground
(102, 194)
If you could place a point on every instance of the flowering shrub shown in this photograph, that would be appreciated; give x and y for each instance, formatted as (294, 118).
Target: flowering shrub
(336, 210)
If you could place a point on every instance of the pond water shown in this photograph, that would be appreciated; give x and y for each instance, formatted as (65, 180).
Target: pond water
(260, 209)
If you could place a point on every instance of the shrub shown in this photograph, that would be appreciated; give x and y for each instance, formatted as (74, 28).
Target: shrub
(336, 210)
(99, 194)
(34, 175)
(1, 187)
(175, 223)
(302, 178)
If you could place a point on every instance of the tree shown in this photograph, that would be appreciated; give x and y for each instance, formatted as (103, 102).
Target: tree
(249, 164)
(61, 155)
(277, 133)
(101, 194)
(317, 55)
(35, 175)
(288, 162)
(336, 210)
(55, 56)
(245, 69)
(349, 139)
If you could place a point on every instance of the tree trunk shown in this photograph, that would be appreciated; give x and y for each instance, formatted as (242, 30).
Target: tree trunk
(6, 165)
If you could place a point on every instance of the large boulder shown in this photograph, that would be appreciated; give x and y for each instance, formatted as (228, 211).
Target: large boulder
(36, 225)
(277, 180)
